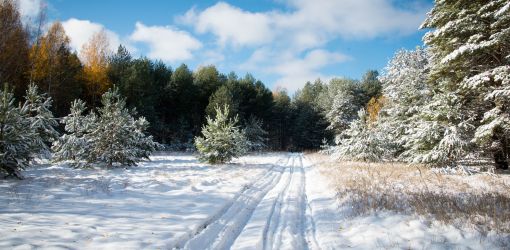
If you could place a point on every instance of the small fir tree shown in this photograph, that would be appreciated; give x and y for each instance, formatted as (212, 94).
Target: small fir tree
(222, 140)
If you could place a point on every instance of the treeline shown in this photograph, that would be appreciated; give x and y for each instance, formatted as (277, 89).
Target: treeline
(174, 101)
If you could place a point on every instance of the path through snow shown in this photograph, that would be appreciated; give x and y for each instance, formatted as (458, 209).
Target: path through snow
(270, 214)
(267, 201)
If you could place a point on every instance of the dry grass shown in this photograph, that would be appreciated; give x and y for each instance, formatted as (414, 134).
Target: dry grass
(480, 200)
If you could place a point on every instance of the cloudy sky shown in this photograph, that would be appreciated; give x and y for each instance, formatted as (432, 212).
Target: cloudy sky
(282, 42)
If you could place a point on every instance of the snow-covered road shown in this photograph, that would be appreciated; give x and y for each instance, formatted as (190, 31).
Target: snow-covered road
(265, 201)
(174, 201)
(271, 213)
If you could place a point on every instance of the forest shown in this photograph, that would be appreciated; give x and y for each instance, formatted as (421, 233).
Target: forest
(436, 104)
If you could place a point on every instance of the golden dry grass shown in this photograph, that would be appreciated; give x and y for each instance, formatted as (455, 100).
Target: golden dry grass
(480, 200)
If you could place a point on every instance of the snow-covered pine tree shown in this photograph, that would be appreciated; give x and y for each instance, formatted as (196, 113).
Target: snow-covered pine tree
(340, 103)
(73, 146)
(222, 140)
(440, 135)
(359, 141)
(116, 137)
(470, 45)
(17, 138)
(24, 130)
(255, 134)
(112, 137)
(37, 106)
(406, 92)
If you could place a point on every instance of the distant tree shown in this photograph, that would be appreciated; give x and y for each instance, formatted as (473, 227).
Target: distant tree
(224, 96)
(371, 87)
(181, 96)
(340, 101)
(222, 139)
(207, 80)
(280, 122)
(14, 48)
(55, 69)
(255, 134)
(308, 127)
(95, 55)
(308, 120)
(120, 62)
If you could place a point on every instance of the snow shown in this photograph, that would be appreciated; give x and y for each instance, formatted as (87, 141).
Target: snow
(277, 200)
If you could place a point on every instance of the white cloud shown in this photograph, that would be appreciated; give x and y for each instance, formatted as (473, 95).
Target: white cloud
(30, 9)
(80, 31)
(292, 70)
(353, 18)
(309, 24)
(231, 24)
(166, 43)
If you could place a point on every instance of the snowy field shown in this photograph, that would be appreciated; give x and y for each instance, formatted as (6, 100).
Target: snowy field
(270, 201)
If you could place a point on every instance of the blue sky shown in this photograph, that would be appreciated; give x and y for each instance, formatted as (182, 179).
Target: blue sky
(282, 42)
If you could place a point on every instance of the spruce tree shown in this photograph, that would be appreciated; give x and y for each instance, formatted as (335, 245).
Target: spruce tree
(222, 139)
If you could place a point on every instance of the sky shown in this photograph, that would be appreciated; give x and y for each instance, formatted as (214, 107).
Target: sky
(284, 43)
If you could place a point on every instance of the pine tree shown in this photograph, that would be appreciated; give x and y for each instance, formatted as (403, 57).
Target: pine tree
(255, 134)
(74, 146)
(470, 45)
(340, 101)
(37, 106)
(117, 137)
(25, 130)
(406, 93)
(222, 140)
(359, 141)
(113, 137)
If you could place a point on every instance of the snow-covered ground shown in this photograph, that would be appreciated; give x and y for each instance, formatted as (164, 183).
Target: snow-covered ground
(270, 201)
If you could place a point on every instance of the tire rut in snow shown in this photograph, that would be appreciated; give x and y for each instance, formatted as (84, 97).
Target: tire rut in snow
(264, 219)
(290, 233)
(310, 228)
(279, 221)
(222, 232)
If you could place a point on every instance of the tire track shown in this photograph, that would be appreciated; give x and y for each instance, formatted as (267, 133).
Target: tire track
(290, 233)
(273, 221)
(221, 232)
